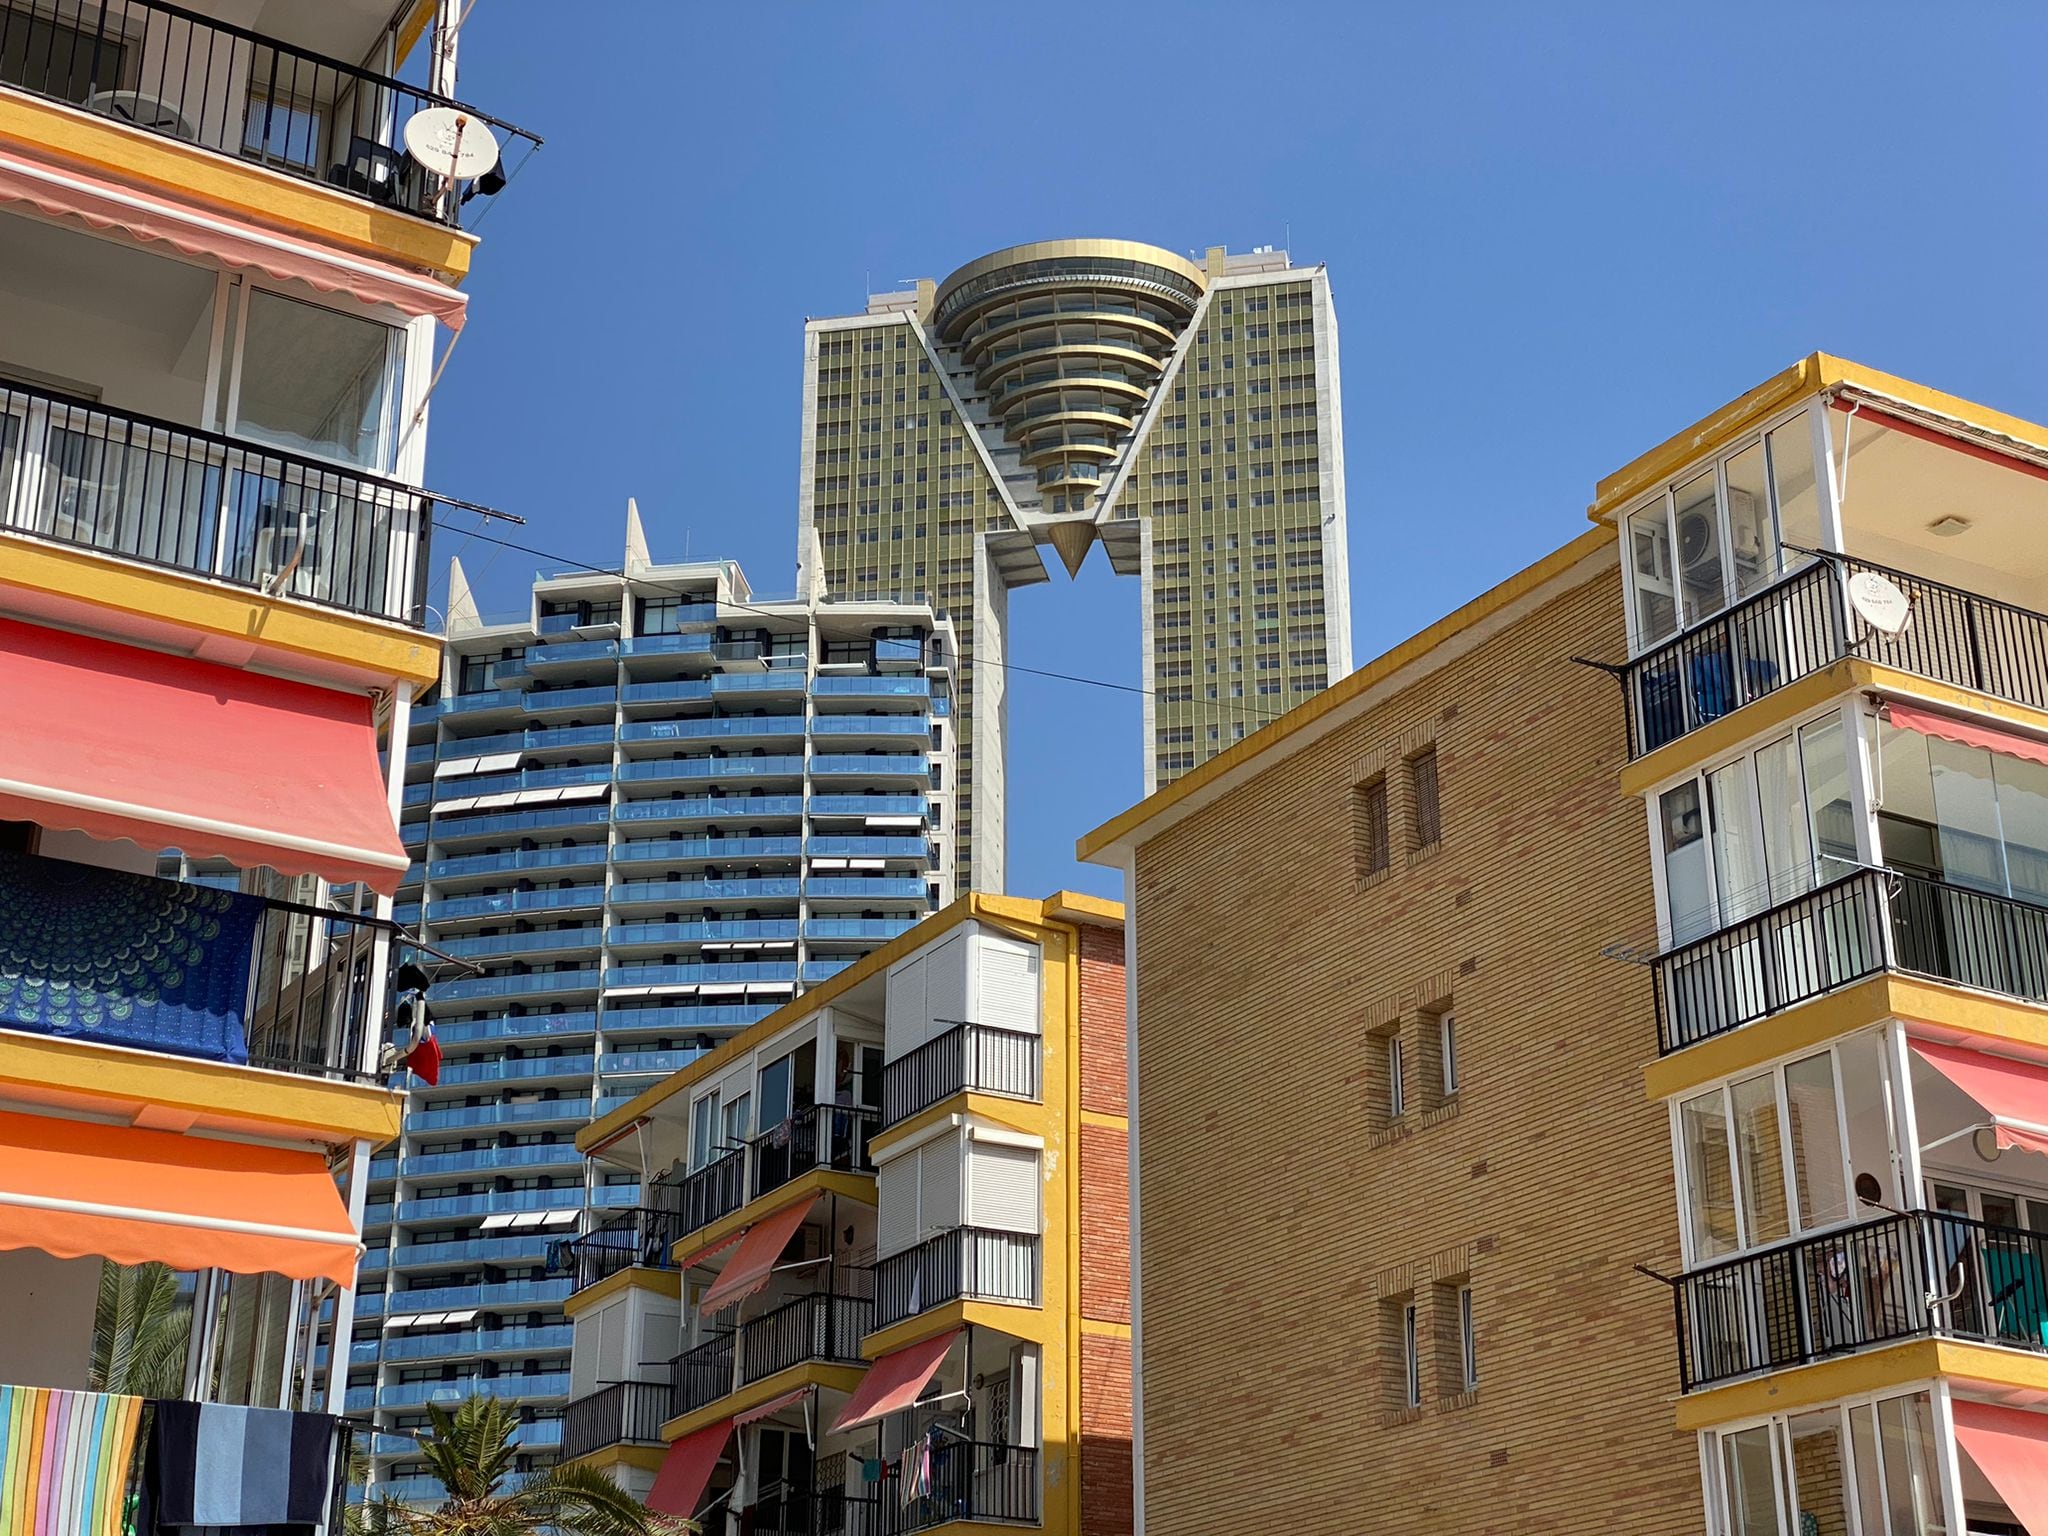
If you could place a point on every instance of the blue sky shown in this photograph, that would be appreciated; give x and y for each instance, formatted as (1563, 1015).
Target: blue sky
(1556, 234)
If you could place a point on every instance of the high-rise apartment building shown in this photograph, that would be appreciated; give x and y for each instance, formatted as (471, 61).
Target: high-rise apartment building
(650, 810)
(877, 1280)
(1186, 415)
(1716, 1200)
(221, 278)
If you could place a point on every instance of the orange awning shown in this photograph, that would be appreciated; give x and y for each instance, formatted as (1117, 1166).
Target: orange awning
(893, 1382)
(698, 1256)
(2010, 1447)
(168, 752)
(774, 1405)
(76, 1188)
(748, 1270)
(1965, 733)
(2013, 1093)
(686, 1470)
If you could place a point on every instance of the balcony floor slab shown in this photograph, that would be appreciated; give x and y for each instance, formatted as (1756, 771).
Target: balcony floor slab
(810, 1373)
(801, 1190)
(1897, 1366)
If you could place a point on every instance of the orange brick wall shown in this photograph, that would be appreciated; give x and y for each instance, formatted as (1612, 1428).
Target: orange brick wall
(1287, 1218)
(1104, 1078)
(1105, 1436)
(1104, 1148)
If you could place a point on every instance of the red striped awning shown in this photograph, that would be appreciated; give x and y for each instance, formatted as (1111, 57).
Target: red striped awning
(2013, 1093)
(1966, 733)
(170, 752)
(2010, 1447)
(774, 1405)
(893, 1382)
(686, 1470)
(748, 1270)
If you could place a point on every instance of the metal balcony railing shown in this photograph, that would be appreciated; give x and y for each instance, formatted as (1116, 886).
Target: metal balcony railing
(816, 1136)
(979, 1058)
(624, 1413)
(1802, 624)
(716, 1190)
(1900, 1276)
(1854, 927)
(970, 1480)
(640, 1238)
(821, 1327)
(703, 1374)
(960, 1263)
(233, 92)
(216, 506)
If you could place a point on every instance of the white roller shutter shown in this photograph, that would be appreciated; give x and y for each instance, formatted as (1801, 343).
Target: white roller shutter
(939, 1180)
(896, 1226)
(946, 983)
(1002, 1187)
(1006, 971)
(906, 1023)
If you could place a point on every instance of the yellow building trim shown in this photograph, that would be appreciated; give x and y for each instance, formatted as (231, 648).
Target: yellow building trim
(973, 906)
(1103, 1120)
(1894, 1367)
(122, 1082)
(1818, 373)
(1941, 1007)
(1025, 1116)
(185, 173)
(1037, 1325)
(411, 29)
(382, 651)
(812, 1373)
(1343, 691)
(802, 1190)
(1101, 1328)
(658, 1282)
(647, 1458)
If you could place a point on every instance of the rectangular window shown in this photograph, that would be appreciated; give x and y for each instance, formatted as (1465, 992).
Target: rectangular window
(1369, 807)
(1447, 1046)
(1411, 1358)
(1397, 1093)
(317, 381)
(1428, 816)
(1468, 1343)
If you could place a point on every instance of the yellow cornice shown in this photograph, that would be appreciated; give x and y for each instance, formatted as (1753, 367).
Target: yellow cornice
(189, 174)
(126, 1082)
(381, 651)
(660, 1282)
(1036, 1325)
(1892, 1367)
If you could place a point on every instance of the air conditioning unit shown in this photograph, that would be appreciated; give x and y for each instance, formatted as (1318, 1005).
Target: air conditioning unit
(1745, 527)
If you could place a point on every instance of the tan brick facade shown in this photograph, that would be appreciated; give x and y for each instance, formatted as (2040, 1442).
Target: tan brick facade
(1289, 1216)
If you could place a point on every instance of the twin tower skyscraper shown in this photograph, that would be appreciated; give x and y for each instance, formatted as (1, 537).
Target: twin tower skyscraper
(1185, 415)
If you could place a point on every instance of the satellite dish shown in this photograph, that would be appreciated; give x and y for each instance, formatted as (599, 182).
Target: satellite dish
(451, 143)
(1879, 603)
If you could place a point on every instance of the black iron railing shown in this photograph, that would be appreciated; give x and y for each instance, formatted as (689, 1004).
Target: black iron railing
(1803, 624)
(717, 1189)
(310, 1008)
(208, 83)
(703, 1374)
(816, 1136)
(970, 1263)
(624, 1413)
(215, 506)
(1841, 933)
(1900, 1276)
(970, 1480)
(977, 1058)
(640, 1238)
(821, 1327)
(1797, 950)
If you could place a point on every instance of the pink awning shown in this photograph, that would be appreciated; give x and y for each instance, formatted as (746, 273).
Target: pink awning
(893, 1382)
(774, 1405)
(1965, 733)
(2010, 1447)
(686, 1471)
(2013, 1093)
(748, 1270)
(105, 204)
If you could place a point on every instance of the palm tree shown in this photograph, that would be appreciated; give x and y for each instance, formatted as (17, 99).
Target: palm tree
(141, 1326)
(470, 1453)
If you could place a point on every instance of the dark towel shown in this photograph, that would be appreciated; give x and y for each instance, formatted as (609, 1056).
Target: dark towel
(238, 1469)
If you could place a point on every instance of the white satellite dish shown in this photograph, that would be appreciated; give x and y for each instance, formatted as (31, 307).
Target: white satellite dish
(1879, 603)
(450, 143)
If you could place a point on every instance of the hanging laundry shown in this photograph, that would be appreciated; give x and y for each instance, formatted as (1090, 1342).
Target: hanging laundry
(64, 1459)
(208, 1464)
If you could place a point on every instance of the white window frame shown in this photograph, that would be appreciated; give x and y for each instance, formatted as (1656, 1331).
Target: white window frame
(1397, 1089)
(1447, 1050)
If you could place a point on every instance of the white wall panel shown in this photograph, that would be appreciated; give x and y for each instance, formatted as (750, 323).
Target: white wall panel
(1002, 1187)
(1007, 978)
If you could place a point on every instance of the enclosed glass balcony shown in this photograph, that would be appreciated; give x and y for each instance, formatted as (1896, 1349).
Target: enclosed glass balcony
(766, 766)
(702, 932)
(522, 862)
(507, 903)
(538, 984)
(707, 848)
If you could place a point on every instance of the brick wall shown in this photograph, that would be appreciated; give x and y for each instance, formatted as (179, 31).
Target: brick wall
(1104, 1080)
(1104, 1148)
(1105, 1436)
(1287, 1216)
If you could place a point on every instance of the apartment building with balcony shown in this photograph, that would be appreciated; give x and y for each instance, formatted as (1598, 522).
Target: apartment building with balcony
(221, 276)
(877, 1278)
(1838, 702)
(649, 810)
(1716, 1204)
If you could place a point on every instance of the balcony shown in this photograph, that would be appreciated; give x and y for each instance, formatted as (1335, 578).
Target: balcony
(523, 863)
(624, 1413)
(1860, 924)
(701, 1375)
(714, 1191)
(536, 984)
(816, 1136)
(1803, 624)
(635, 1239)
(412, 1394)
(110, 958)
(1905, 1275)
(210, 505)
(778, 765)
(824, 1327)
(506, 903)
(959, 1264)
(967, 1058)
(166, 71)
(970, 1480)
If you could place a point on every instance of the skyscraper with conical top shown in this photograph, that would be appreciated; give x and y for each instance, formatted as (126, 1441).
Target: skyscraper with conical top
(1184, 415)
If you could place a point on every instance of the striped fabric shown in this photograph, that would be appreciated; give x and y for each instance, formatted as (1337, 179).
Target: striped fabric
(64, 1460)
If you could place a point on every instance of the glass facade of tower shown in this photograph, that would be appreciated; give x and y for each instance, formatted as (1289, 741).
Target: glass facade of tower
(647, 813)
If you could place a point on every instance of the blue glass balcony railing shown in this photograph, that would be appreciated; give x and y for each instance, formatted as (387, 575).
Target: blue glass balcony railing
(871, 725)
(783, 765)
(700, 971)
(431, 1164)
(824, 970)
(531, 1026)
(675, 645)
(531, 778)
(633, 1063)
(867, 887)
(868, 805)
(655, 851)
(603, 696)
(469, 1342)
(498, 823)
(477, 703)
(506, 903)
(537, 738)
(462, 1117)
(684, 1017)
(870, 765)
(676, 691)
(406, 1394)
(438, 1207)
(540, 982)
(505, 1293)
(500, 944)
(611, 1196)
(867, 847)
(774, 680)
(714, 728)
(524, 862)
(476, 1250)
(523, 1069)
(878, 928)
(735, 808)
(566, 651)
(764, 888)
(700, 932)
(417, 794)
(873, 687)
